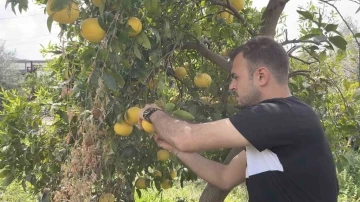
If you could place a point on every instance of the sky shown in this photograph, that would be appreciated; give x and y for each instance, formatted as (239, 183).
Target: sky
(26, 31)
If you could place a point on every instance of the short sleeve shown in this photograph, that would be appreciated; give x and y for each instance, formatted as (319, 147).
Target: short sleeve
(266, 125)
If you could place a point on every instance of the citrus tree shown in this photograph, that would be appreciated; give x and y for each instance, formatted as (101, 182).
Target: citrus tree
(77, 138)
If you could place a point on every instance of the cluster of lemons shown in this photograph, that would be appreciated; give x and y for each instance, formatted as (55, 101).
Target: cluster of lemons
(125, 128)
(201, 80)
(90, 27)
(143, 182)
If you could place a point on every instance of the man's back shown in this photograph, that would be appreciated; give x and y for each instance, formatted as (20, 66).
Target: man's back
(290, 158)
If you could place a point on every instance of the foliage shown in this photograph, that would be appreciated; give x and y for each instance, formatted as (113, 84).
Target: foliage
(88, 87)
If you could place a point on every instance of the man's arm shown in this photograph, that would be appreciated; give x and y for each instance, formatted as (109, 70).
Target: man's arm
(197, 137)
(225, 177)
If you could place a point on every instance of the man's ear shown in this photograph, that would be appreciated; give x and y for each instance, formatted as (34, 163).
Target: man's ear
(263, 75)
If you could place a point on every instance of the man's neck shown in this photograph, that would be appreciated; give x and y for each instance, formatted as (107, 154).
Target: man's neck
(277, 92)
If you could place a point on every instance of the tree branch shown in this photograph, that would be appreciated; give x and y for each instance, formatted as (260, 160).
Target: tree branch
(235, 13)
(270, 17)
(299, 41)
(299, 72)
(208, 54)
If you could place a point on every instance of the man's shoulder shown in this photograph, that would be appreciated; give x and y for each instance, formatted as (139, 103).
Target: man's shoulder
(287, 104)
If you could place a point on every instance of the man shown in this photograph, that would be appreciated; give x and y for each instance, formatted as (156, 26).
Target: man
(287, 156)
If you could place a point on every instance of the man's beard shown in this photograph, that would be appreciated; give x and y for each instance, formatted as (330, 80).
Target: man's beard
(252, 98)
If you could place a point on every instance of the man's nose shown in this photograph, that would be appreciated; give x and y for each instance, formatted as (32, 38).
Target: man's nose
(232, 86)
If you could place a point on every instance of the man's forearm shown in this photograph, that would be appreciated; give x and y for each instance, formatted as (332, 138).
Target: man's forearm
(211, 171)
(169, 128)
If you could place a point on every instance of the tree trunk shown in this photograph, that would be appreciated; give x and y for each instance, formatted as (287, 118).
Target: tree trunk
(270, 19)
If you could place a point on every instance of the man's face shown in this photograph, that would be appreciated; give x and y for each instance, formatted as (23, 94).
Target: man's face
(243, 87)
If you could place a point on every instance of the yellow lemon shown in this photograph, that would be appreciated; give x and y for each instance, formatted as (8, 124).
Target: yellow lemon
(67, 15)
(173, 174)
(223, 14)
(98, 2)
(165, 184)
(140, 183)
(91, 30)
(238, 4)
(136, 25)
(123, 129)
(163, 155)
(202, 80)
(132, 115)
(107, 197)
(226, 15)
(157, 173)
(180, 72)
(148, 127)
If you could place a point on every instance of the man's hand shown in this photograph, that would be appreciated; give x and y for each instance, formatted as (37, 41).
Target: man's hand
(142, 111)
(162, 143)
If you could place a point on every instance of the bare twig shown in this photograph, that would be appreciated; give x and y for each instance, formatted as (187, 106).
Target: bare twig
(301, 60)
(292, 49)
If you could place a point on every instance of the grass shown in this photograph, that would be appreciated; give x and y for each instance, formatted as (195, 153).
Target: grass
(191, 192)
(15, 193)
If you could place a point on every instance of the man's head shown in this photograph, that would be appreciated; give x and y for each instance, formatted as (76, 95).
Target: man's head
(259, 70)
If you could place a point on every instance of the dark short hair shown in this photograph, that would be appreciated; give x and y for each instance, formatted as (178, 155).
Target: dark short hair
(264, 51)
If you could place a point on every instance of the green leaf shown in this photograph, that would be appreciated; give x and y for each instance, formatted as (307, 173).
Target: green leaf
(101, 9)
(94, 77)
(156, 33)
(357, 35)
(8, 180)
(119, 79)
(126, 63)
(197, 29)
(138, 192)
(356, 95)
(143, 40)
(331, 27)
(50, 21)
(59, 5)
(167, 29)
(182, 114)
(338, 41)
(306, 14)
(102, 23)
(127, 4)
(169, 107)
(137, 52)
(322, 56)
(109, 81)
(87, 54)
(5, 173)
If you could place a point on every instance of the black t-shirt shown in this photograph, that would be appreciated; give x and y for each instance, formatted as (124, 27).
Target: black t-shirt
(289, 158)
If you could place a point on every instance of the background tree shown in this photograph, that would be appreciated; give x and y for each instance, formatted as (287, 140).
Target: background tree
(9, 75)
